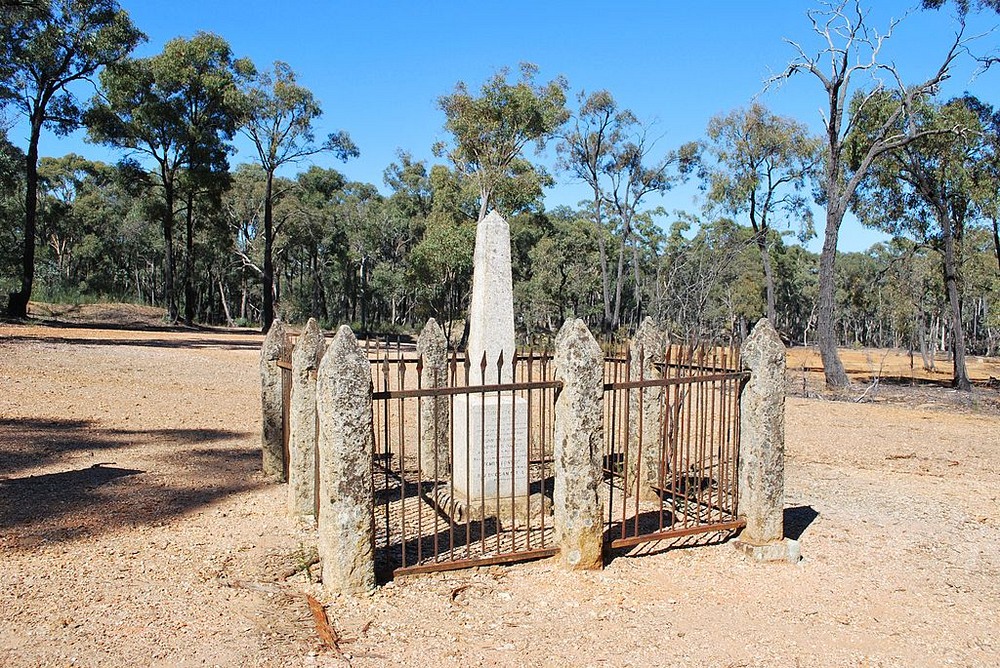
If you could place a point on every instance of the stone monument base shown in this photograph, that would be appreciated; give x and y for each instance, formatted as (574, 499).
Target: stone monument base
(490, 451)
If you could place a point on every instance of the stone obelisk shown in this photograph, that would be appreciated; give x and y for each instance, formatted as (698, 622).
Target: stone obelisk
(491, 312)
(490, 430)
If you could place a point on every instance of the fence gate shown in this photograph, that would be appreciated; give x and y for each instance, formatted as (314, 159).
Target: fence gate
(671, 443)
(462, 471)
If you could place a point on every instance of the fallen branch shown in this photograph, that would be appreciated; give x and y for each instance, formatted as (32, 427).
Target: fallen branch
(327, 634)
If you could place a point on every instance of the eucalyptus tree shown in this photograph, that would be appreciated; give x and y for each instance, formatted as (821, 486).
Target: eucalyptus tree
(178, 110)
(565, 280)
(761, 165)
(849, 59)
(440, 262)
(705, 281)
(11, 203)
(280, 124)
(611, 151)
(929, 189)
(963, 6)
(68, 187)
(45, 48)
(491, 131)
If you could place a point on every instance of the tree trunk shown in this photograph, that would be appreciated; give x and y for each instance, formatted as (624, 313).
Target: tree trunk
(833, 368)
(225, 304)
(926, 351)
(189, 296)
(996, 240)
(17, 304)
(603, 251)
(960, 378)
(765, 258)
(268, 275)
(168, 242)
(620, 275)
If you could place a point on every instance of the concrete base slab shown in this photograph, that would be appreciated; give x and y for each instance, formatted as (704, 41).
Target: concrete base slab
(784, 550)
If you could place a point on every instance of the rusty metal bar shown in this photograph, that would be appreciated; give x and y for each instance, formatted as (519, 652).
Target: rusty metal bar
(678, 533)
(465, 389)
(681, 380)
(482, 561)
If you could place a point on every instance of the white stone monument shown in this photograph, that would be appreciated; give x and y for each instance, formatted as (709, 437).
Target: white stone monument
(491, 311)
(490, 430)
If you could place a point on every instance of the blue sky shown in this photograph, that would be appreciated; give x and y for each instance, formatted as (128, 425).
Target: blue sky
(378, 67)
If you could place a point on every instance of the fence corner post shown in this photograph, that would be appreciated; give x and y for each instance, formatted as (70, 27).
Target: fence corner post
(272, 442)
(579, 448)
(302, 432)
(344, 403)
(762, 448)
(432, 347)
(645, 404)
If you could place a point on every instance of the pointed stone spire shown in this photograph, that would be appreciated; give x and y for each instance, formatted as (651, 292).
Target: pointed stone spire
(302, 425)
(432, 347)
(272, 442)
(344, 403)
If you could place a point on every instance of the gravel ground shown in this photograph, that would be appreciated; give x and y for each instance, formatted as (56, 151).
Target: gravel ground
(136, 529)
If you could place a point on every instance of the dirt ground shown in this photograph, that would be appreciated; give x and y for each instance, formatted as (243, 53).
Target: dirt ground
(136, 529)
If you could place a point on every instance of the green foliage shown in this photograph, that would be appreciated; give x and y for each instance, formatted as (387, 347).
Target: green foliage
(49, 45)
(963, 6)
(490, 132)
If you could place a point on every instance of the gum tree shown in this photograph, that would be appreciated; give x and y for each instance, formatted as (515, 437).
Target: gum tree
(847, 60)
(761, 165)
(610, 150)
(45, 48)
(931, 189)
(492, 130)
(177, 110)
(280, 125)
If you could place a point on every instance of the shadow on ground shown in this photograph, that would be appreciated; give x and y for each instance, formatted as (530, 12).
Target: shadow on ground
(183, 470)
(221, 343)
(798, 519)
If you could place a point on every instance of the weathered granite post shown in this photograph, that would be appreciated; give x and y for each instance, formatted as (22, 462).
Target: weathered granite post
(432, 346)
(762, 448)
(579, 445)
(645, 406)
(344, 404)
(272, 442)
(302, 425)
(491, 309)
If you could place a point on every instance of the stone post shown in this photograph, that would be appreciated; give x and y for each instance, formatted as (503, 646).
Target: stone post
(272, 442)
(762, 447)
(432, 346)
(491, 309)
(579, 448)
(344, 403)
(646, 411)
(302, 425)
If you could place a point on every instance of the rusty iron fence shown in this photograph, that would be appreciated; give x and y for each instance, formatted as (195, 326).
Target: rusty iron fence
(463, 469)
(671, 443)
